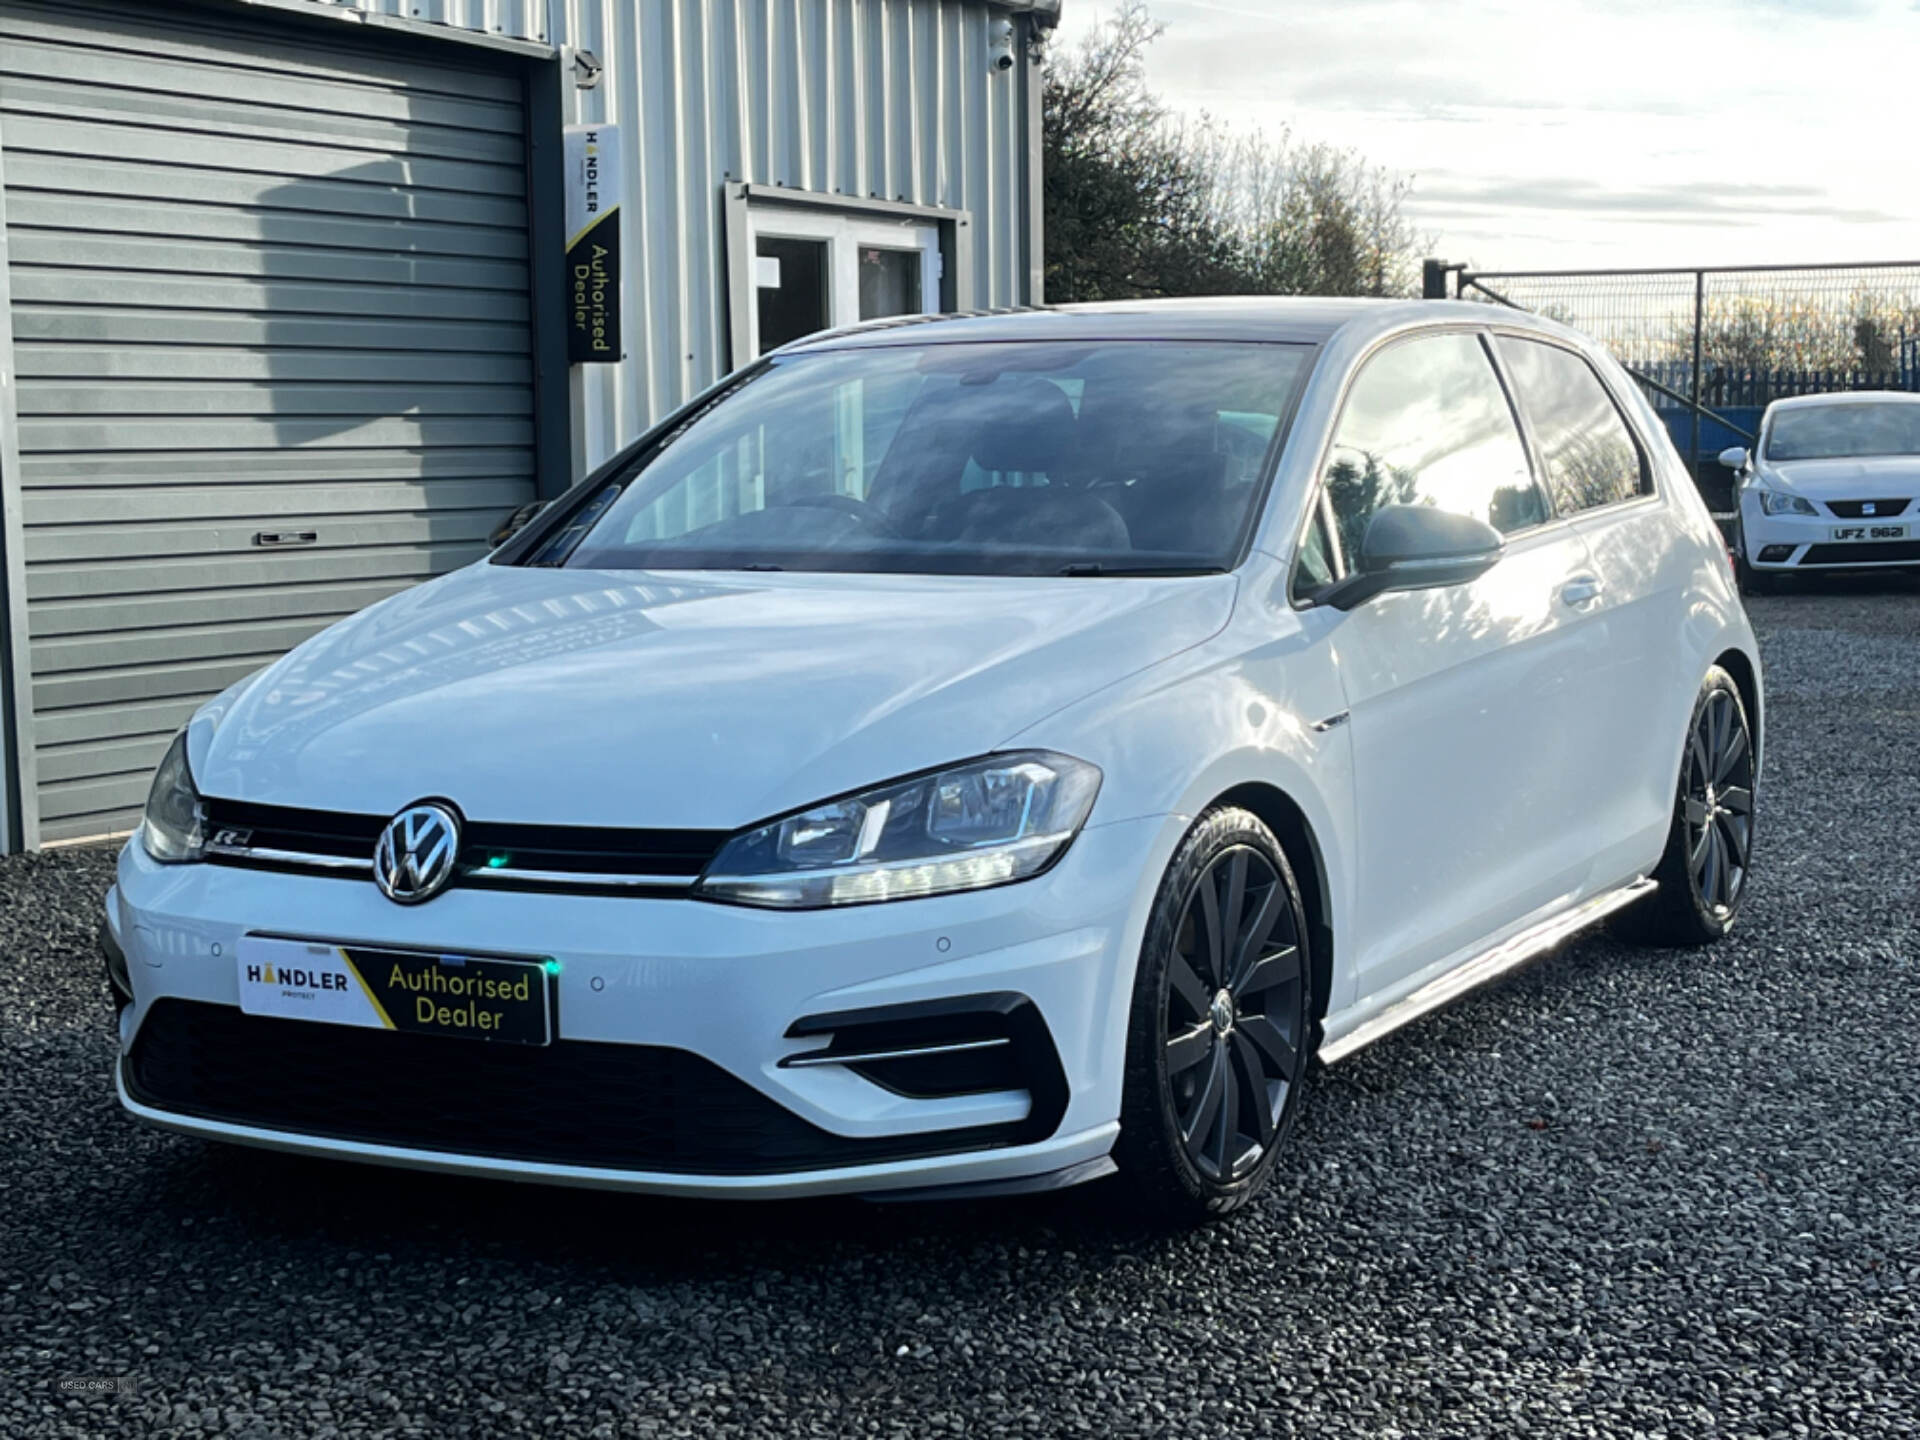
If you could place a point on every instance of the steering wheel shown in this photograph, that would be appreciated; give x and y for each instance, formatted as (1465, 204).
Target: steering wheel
(865, 511)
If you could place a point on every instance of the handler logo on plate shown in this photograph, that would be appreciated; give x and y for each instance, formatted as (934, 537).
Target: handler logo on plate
(380, 989)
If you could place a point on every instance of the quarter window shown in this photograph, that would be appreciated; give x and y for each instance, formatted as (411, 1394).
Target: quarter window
(1428, 423)
(1313, 569)
(1590, 456)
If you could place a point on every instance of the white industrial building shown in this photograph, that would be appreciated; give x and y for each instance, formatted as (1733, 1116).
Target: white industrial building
(286, 296)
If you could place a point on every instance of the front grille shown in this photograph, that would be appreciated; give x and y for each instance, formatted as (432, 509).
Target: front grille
(1857, 509)
(302, 832)
(1879, 552)
(574, 1102)
(580, 849)
(500, 854)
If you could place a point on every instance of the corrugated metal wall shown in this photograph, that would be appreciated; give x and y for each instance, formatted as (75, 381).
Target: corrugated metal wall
(897, 100)
(263, 287)
(877, 99)
(509, 19)
(888, 99)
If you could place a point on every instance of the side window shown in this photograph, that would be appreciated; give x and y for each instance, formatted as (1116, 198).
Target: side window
(1590, 455)
(1428, 423)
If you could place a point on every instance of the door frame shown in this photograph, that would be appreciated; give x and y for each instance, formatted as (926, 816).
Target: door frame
(752, 210)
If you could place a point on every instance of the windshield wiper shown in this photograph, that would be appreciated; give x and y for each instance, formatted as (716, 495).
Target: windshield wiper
(1094, 567)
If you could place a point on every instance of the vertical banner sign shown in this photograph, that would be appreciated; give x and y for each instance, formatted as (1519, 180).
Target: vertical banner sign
(593, 243)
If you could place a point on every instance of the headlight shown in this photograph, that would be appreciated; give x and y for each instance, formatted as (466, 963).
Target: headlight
(1778, 502)
(171, 830)
(988, 822)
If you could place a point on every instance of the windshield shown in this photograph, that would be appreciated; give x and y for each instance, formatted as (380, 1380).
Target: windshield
(1002, 459)
(1832, 432)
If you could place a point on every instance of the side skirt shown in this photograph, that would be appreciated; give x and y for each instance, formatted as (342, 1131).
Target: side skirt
(1509, 955)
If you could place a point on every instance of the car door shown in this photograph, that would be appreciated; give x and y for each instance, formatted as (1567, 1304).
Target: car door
(1469, 705)
(1599, 472)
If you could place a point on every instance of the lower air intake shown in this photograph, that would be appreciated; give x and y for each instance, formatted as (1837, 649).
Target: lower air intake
(574, 1102)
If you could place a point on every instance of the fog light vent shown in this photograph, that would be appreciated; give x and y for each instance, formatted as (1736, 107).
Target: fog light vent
(1775, 554)
(971, 1045)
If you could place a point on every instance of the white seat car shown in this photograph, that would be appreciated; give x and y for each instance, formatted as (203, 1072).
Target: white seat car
(962, 757)
(1833, 483)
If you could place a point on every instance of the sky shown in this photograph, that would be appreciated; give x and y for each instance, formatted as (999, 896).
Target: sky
(1572, 133)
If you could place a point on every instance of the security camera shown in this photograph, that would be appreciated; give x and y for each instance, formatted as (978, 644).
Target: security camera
(1000, 44)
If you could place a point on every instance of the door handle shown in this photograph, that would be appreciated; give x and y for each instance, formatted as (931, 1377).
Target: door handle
(1580, 591)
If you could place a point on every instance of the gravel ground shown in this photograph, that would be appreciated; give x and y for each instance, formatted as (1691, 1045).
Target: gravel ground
(1625, 1193)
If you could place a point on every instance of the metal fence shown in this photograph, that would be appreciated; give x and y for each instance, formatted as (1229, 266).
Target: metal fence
(1713, 347)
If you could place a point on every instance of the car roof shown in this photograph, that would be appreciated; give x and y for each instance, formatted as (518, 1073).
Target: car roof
(1277, 319)
(1847, 397)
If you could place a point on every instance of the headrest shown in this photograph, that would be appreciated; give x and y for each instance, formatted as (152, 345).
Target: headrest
(1022, 423)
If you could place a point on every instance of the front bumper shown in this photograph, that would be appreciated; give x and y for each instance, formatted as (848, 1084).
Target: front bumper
(691, 985)
(1783, 543)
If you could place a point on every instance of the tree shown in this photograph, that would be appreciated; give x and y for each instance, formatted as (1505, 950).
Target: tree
(1327, 223)
(1127, 203)
(1770, 328)
(1141, 203)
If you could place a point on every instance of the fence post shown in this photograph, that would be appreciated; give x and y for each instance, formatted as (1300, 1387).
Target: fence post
(1433, 280)
(1699, 326)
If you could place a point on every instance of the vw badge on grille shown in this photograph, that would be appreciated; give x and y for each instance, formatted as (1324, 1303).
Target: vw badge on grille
(415, 856)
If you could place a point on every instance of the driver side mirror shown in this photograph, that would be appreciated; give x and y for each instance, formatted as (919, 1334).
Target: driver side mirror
(1734, 457)
(1416, 547)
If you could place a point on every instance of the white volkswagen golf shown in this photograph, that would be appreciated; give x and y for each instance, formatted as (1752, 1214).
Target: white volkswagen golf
(962, 757)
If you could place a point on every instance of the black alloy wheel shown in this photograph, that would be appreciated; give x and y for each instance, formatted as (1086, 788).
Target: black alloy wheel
(1229, 1062)
(1717, 803)
(1704, 873)
(1220, 1022)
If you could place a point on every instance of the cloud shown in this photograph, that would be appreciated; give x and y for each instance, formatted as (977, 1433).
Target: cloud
(1704, 201)
(1563, 132)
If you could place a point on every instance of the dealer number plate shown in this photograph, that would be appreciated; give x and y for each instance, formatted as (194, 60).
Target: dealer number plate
(427, 993)
(1869, 532)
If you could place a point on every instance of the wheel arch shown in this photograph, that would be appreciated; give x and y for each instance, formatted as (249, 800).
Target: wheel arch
(1290, 826)
(1746, 677)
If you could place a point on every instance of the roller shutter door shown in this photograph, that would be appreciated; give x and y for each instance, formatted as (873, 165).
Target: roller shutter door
(264, 285)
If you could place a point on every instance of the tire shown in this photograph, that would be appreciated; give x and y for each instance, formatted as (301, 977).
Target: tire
(1704, 870)
(1214, 1061)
